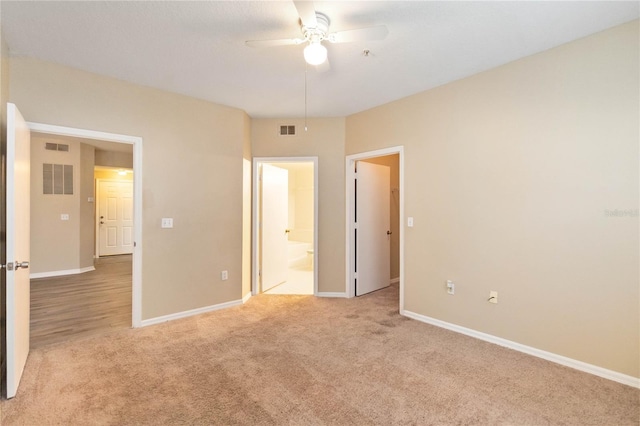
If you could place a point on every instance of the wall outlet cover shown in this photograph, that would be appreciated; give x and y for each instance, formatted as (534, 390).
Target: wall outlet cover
(451, 287)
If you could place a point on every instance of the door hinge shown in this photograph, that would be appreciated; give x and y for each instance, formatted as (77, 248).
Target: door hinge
(355, 225)
(355, 275)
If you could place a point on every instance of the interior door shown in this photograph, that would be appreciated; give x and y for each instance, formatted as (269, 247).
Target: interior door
(373, 232)
(115, 217)
(275, 219)
(17, 251)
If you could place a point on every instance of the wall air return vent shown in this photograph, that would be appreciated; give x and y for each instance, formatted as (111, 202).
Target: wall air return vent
(49, 146)
(287, 130)
(57, 179)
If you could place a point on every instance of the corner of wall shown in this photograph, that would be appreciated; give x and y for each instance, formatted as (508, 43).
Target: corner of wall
(246, 206)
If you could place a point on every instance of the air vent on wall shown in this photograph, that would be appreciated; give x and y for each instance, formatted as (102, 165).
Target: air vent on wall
(287, 130)
(57, 179)
(56, 147)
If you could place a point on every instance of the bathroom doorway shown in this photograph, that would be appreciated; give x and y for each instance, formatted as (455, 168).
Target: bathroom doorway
(285, 226)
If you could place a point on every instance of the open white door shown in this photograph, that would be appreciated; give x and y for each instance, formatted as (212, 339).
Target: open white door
(275, 218)
(115, 217)
(372, 217)
(18, 234)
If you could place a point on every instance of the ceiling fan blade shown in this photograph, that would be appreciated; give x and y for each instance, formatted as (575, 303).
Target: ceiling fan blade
(272, 43)
(324, 67)
(360, 34)
(307, 13)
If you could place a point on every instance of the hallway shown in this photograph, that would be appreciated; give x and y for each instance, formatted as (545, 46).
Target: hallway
(74, 306)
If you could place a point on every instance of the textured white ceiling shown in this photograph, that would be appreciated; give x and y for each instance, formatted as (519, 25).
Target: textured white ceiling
(197, 48)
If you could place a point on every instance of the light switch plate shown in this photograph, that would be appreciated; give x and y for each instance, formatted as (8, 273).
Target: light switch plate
(410, 222)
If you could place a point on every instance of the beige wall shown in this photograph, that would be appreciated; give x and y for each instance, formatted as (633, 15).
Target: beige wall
(58, 245)
(55, 243)
(302, 194)
(246, 206)
(393, 162)
(114, 159)
(324, 139)
(509, 176)
(87, 207)
(201, 188)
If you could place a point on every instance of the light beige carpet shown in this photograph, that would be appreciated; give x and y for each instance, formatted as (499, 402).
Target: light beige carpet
(302, 360)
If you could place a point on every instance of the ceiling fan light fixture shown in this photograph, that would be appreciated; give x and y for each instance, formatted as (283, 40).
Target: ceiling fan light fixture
(315, 53)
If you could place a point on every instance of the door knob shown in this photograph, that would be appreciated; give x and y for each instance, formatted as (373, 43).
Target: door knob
(23, 265)
(101, 222)
(389, 232)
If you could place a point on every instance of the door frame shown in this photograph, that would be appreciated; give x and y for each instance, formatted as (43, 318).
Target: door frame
(255, 216)
(349, 219)
(136, 293)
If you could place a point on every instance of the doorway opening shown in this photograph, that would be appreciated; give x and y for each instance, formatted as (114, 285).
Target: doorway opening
(285, 224)
(110, 157)
(113, 211)
(363, 249)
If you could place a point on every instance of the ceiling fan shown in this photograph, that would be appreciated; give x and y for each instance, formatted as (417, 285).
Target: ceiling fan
(315, 29)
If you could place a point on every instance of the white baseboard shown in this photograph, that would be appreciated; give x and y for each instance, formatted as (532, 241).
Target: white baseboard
(61, 273)
(192, 312)
(394, 280)
(331, 294)
(246, 297)
(549, 356)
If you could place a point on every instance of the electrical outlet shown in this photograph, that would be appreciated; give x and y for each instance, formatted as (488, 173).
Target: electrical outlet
(224, 275)
(451, 287)
(493, 297)
(167, 222)
(64, 216)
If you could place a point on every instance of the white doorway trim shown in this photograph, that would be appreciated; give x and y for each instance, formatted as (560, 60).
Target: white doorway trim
(136, 293)
(255, 216)
(350, 202)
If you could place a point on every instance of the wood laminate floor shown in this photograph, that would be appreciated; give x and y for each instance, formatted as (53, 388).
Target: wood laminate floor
(73, 306)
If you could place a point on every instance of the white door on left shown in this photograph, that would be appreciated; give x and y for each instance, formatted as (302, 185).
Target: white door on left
(275, 217)
(373, 231)
(17, 238)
